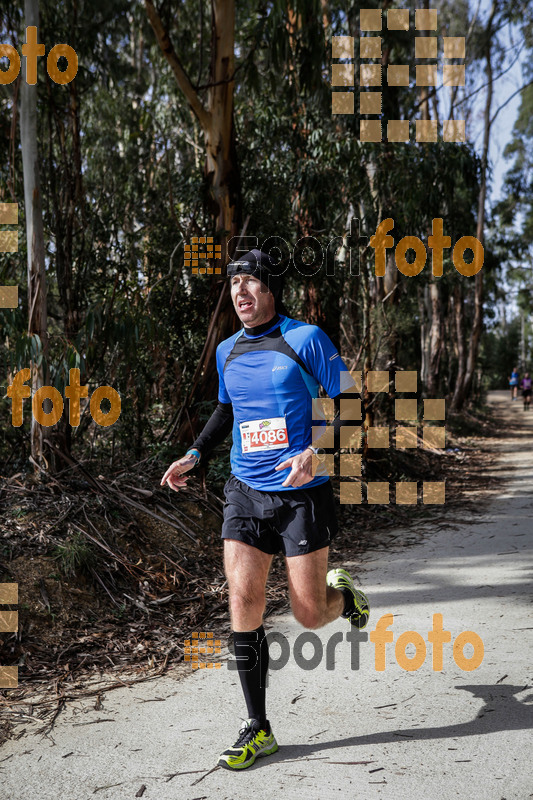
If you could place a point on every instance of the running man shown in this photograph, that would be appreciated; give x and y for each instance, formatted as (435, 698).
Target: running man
(276, 501)
(513, 383)
(526, 390)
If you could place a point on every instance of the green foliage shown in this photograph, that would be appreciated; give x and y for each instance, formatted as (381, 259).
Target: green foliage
(121, 306)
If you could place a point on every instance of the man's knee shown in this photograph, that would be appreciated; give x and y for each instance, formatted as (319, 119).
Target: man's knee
(244, 602)
(310, 617)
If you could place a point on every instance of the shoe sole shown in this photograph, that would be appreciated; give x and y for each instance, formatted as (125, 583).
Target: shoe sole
(360, 596)
(245, 764)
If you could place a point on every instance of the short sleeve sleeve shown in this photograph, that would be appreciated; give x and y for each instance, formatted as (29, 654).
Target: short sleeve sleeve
(325, 363)
(223, 396)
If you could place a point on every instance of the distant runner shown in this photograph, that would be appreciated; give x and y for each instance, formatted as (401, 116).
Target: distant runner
(513, 383)
(269, 372)
(526, 390)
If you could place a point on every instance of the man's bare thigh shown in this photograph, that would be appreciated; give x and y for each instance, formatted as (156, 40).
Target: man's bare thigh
(246, 567)
(307, 577)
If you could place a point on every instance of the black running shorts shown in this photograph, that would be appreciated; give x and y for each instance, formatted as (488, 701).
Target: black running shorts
(294, 522)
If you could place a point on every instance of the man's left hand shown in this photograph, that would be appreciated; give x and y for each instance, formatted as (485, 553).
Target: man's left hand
(301, 467)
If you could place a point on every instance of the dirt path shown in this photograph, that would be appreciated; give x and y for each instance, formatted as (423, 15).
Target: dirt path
(344, 731)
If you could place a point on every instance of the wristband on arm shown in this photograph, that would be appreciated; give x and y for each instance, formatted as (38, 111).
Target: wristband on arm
(217, 427)
(194, 452)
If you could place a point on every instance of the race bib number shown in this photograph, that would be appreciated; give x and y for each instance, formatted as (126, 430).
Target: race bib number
(264, 434)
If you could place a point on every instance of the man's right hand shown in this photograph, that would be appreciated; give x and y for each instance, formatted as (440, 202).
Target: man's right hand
(173, 474)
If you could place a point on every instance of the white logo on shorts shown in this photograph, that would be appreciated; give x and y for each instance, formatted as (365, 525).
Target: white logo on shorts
(302, 543)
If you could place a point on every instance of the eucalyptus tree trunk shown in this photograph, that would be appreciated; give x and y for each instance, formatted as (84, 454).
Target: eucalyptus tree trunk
(463, 391)
(221, 169)
(424, 334)
(458, 305)
(435, 339)
(216, 116)
(37, 308)
(431, 331)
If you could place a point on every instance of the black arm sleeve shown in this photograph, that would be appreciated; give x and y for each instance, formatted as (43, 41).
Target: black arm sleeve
(216, 429)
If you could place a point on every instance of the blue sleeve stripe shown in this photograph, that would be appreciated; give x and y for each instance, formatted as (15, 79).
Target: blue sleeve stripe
(310, 382)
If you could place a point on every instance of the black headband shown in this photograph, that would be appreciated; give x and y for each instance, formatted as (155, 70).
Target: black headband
(261, 266)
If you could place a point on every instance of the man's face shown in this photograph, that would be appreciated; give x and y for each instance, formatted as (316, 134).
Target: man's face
(253, 304)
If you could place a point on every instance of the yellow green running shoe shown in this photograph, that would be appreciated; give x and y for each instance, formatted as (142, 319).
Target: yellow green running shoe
(254, 740)
(356, 608)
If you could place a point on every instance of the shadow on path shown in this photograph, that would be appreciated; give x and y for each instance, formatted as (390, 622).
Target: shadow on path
(501, 712)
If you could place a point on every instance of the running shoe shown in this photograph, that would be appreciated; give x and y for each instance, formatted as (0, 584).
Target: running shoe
(358, 609)
(254, 741)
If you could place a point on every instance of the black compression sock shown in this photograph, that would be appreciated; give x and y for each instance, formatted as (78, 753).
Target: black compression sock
(251, 653)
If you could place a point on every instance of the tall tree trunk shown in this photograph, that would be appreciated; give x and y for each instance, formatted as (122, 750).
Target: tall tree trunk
(424, 91)
(367, 340)
(523, 346)
(37, 308)
(390, 284)
(221, 170)
(477, 324)
(435, 339)
(66, 194)
(424, 335)
(216, 119)
(431, 331)
(458, 305)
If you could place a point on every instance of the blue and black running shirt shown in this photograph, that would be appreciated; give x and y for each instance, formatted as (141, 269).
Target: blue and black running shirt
(270, 380)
